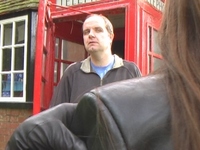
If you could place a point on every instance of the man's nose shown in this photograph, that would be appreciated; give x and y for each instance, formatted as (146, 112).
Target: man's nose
(91, 34)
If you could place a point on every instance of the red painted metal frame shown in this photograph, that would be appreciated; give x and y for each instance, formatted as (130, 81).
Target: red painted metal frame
(133, 42)
(49, 65)
(88, 8)
(38, 57)
(56, 15)
(147, 15)
(104, 6)
(130, 31)
(58, 61)
(43, 67)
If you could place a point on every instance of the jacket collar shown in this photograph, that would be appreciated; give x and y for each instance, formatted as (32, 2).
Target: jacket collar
(86, 67)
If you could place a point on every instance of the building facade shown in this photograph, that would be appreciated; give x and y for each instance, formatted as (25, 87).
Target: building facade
(17, 51)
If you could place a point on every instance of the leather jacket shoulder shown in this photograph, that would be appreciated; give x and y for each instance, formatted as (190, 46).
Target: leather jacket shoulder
(128, 115)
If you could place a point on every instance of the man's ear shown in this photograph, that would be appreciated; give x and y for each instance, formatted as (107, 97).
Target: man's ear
(112, 36)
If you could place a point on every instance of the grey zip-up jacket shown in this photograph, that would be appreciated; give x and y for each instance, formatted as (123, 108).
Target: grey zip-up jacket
(79, 78)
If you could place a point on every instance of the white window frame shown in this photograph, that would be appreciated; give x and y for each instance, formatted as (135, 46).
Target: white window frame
(12, 47)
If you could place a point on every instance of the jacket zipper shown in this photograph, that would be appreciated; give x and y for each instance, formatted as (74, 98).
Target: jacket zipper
(101, 82)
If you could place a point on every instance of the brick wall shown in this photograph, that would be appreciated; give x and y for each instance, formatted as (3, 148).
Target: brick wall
(9, 120)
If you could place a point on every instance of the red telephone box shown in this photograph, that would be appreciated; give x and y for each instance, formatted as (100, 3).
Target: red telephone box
(59, 37)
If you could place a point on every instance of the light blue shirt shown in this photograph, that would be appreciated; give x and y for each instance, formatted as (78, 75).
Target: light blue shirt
(101, 71)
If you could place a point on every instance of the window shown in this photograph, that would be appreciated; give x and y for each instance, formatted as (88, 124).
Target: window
(13, 56)
(72, 2)
(154, 53)
(66, 52)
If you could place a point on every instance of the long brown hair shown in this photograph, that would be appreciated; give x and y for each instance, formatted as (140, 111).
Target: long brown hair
(180, 45)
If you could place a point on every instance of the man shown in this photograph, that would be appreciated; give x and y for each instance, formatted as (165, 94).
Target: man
(100, 68)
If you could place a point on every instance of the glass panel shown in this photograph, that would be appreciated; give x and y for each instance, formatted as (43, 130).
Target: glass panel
(75, 2)
(81, 1)
(58, 2)
(7, 34)
(149, 38)
(69, 2)
(72, 2)
(72, 51)
(63, 67)
(149, 63)
(64, 2)
(156, 63)
(19, 58)
(12, 74)
(156, 48)
(18, 84)
(20, 32)
(55, 72)
(6, 60)
(56, 47)
(6, 84)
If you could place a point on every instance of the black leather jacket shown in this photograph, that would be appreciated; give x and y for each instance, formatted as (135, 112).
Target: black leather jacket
(127, 115)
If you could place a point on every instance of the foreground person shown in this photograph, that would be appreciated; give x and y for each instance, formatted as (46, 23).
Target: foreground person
(157, 112)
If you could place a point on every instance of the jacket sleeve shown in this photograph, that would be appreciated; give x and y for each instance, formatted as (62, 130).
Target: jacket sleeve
(62, 91)
(132, 68)
(48, 130)
(136, 71)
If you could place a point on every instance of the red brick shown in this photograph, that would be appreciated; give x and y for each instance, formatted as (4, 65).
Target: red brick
(4, 131)
(9, 121)
(4, 118)
(15, 112)
(1, 138)
(13, 119)
(8, 111)
(3, 111)
(26, 112)
(5, 125)
(14, 125)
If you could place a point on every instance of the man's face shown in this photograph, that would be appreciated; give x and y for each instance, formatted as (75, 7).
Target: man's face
(95, 35)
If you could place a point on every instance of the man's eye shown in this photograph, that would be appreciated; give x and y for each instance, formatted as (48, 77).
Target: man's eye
(86, 32)
(98, 30)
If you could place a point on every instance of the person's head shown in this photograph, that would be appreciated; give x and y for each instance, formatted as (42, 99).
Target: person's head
(180, 45)
(97, 33)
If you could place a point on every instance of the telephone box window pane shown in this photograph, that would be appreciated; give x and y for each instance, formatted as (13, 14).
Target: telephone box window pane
(156, 63)
(150, 63)
(155, 43)
(19, 58)
(55, 72)
(149, 38)
(6, 84)
(57, 48)
(18, 85)
(20, 32)
(72, 51)
(63, 67)
(7, 34)
(6, 60)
